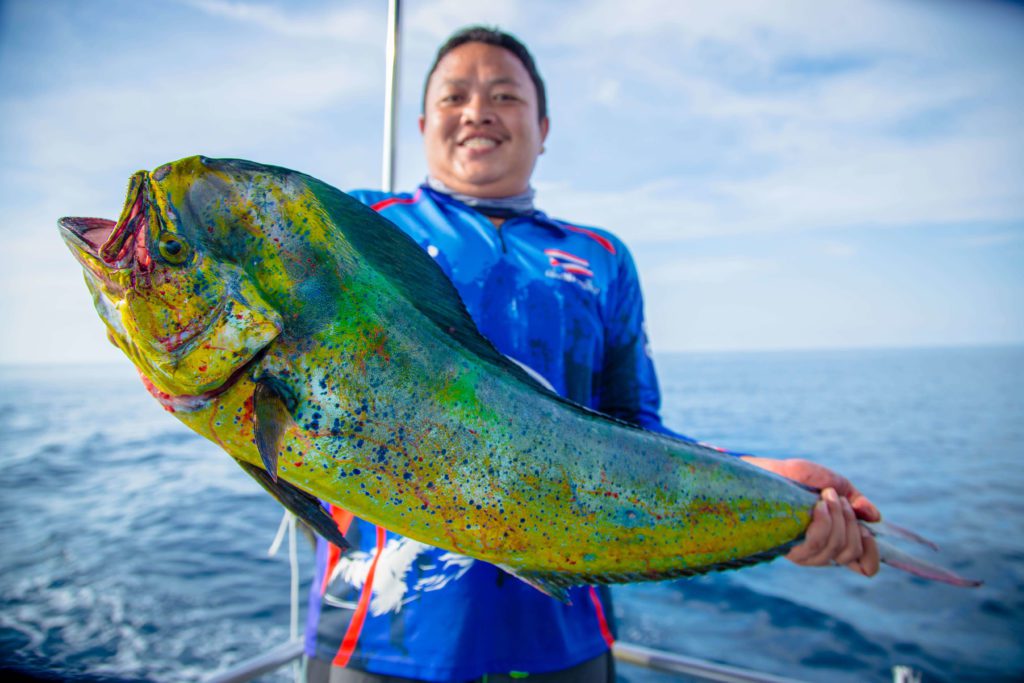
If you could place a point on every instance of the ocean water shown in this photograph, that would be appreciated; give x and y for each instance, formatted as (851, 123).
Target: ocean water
(132, 549)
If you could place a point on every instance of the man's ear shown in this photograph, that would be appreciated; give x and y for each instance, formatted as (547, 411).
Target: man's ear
(423, 122)
(545, 125)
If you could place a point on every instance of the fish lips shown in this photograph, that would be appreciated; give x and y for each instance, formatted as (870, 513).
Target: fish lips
(88, 234)
(103, 246)
(85, 237)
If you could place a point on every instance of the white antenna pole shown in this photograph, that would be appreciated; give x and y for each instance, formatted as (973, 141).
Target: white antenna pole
(390, 98)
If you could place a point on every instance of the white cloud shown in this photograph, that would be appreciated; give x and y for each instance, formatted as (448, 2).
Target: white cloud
(837, 183)
(838, 249)
(656, 211)
(992, 239)
(707, 271)
(761, 32)
(353, 23)
(911, 128)
(606, 92)
(429, 23)
(94, 124)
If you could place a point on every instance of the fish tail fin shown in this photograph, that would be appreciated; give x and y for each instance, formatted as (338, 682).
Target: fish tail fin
(894, 557)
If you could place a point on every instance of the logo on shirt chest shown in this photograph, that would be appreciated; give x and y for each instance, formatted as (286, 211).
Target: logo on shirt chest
(570, 268)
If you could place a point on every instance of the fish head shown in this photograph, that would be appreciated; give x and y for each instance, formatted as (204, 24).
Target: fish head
(169, 280)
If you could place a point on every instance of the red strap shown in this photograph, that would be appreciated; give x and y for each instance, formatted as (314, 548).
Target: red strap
(348, 643)
(343, 518)
(606, 632)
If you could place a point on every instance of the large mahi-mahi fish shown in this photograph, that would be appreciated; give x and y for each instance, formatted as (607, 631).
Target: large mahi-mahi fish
(323, 350)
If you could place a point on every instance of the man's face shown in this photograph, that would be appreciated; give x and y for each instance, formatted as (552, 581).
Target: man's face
(480, 127)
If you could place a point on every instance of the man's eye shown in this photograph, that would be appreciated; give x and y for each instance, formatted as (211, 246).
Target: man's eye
(451, 99)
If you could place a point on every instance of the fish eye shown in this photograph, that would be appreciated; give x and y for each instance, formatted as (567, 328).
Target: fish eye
(173, 250)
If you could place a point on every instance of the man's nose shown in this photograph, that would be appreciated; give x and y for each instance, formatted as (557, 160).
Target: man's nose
(478, 110)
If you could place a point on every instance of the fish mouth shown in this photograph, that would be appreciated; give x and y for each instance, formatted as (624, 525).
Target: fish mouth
(105, 245)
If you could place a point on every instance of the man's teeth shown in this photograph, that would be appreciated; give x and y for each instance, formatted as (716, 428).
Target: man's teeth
(479, 143)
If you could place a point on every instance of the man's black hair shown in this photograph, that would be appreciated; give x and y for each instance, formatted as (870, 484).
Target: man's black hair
(492, 36)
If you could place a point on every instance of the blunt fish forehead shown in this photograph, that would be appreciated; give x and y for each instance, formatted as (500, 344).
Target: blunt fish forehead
(212, 198)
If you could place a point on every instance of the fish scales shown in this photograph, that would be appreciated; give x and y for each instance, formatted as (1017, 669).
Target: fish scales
(322, 349)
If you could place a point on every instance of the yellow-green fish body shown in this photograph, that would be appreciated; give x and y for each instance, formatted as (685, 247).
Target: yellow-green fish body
(321, 348)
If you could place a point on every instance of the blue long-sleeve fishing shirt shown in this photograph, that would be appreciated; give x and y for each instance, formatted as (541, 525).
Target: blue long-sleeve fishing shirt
(564, 300)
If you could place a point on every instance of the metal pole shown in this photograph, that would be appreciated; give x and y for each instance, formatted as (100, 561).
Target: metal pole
(390, 98)
(257, 666)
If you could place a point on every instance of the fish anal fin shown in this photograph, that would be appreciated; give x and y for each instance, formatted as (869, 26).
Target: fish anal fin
(272, 419)
(550, 584)
(557, 584)
(303, 505)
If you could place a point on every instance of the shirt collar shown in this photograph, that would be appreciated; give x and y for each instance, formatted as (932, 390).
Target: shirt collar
(496, 207)
(535, 215)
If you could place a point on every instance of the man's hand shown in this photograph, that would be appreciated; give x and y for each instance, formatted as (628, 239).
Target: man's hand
(834, 534)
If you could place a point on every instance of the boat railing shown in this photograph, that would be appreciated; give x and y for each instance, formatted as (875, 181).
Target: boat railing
(656, 660)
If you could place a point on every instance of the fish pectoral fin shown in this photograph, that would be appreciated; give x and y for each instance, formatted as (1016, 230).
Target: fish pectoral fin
(272, 419)
(301, 504)
(552, 585)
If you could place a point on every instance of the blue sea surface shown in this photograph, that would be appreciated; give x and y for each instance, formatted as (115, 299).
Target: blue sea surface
(133, 549)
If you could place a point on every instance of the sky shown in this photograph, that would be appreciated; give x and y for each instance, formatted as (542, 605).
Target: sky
(787, 175)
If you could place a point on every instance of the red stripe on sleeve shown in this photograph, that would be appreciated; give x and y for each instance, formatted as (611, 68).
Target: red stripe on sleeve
(606, 631)
(348, 643)
(385, 203)
(600, 239)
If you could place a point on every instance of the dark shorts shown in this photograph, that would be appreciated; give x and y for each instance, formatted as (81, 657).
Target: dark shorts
(600, 669)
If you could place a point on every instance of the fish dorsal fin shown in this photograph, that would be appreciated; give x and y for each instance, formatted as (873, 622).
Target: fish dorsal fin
(422, 282)
(539, 378)
(414, 274)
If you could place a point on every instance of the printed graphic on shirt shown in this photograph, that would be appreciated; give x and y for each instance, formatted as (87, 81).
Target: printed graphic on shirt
(570, 268)
(391, 583)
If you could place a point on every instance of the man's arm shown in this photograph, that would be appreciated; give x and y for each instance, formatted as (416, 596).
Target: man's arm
(629, 386)
(629, 391)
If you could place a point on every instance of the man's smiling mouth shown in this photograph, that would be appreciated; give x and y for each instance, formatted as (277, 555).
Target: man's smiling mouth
(477, 142)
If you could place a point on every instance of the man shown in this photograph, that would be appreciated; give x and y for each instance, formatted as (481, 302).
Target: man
(562, 299)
